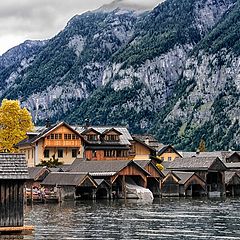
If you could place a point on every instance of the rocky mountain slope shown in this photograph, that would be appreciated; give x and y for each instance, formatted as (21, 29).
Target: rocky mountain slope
(173, 72)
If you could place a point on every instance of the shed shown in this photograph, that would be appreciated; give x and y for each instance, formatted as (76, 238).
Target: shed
(13, 174)
(232, 181)
(209, 169)
(116, 172)
(182, 184)
(154, 180)
(71, 185)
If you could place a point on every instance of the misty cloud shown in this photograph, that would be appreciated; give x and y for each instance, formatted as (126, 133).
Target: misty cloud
(42, 19)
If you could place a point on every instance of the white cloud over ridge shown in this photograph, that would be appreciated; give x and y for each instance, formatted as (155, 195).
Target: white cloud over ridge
(42, 19)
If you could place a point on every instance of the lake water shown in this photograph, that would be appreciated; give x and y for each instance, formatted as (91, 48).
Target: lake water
(168, 218)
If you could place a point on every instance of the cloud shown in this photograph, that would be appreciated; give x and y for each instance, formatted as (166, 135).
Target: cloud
(42, 19)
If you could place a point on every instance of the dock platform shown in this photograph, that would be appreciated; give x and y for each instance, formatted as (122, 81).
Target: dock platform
(16, 230)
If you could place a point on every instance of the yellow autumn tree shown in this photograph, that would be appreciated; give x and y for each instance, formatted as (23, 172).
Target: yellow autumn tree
(15, 122)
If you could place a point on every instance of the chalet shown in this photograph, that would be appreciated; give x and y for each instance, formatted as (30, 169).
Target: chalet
(140, 150)
(106, 143)
(13, 174)
(148, 140)
(168, 153)
(182, 184)
(210, 170)
(116, 172)
(76, 185)
(59, 141)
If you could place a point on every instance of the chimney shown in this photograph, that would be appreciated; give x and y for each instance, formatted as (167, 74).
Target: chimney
(197, 152)
(147, 141)
(47, 123)
(87, 123)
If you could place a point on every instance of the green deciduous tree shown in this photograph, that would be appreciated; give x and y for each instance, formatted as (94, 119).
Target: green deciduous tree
(15, 122)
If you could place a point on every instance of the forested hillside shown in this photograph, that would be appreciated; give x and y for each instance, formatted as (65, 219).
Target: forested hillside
(172, 72)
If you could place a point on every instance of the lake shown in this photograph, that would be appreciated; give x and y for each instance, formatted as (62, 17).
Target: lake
(168, 218)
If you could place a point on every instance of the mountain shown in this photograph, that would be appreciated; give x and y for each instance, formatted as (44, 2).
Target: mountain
(172, 71)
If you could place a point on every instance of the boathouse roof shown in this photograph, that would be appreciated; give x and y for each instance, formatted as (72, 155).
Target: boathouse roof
(102, 168)
(13, 166)
(183, 176)
(197, 164)
(67, 179)
(231, 177)
(38, 173)
(222, 155)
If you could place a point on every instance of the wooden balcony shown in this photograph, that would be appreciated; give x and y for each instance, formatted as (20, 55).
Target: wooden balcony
(62, 143)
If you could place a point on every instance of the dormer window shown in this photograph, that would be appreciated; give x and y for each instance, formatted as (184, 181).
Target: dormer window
(112, 138)
(92, 137)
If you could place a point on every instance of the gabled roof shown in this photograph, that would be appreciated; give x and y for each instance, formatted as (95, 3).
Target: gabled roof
(67, 179)
(183, 176)
(43, 132)
(195, 164)
(144, 144)
(38, 173)
(13, 166)
(163, 149)
(124, 138)
(87, 130)
(145, 163)
(112, 130)
(148, 139)
(102, 168)
(223, 155)
(229, 175)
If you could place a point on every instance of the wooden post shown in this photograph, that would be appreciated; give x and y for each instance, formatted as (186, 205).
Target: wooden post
(124, 187)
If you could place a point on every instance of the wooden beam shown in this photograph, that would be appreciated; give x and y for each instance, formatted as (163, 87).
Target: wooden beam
(4, 230)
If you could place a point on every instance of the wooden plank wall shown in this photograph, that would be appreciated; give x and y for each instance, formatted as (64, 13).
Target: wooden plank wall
(11, 203)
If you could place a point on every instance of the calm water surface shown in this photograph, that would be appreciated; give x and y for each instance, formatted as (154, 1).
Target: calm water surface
(169, 218)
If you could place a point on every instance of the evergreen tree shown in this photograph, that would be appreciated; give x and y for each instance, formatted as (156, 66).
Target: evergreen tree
(202, 146)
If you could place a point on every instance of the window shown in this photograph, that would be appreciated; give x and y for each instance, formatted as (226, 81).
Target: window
(65, 136)
(109, 153)
(56, 136)
(169, 159)
(46, 153)
(73, 136)
(113, 138)
(60, 136)
(74, 153)
(69, 136)
(52, 136)
(60, 153)
(48, 137)
(92, 137)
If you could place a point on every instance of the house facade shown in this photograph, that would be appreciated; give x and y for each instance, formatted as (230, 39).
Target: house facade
(65, 143)
(167, 153)
(59, 141)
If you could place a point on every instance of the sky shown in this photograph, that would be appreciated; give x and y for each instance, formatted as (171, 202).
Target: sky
(42, 19)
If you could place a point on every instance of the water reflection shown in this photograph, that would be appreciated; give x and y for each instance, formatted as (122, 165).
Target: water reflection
(168, 218)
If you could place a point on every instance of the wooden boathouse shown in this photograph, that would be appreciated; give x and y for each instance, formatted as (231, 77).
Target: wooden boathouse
(186, 184)
(210, 169)
(117, 173)
(69, 185)
(13, 174)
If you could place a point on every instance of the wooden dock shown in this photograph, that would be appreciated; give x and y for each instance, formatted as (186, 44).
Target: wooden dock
(16, 230)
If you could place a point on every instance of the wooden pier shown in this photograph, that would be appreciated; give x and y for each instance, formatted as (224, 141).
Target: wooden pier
(24, 230)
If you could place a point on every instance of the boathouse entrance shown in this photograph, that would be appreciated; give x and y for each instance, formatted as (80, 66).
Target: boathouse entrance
(215, 182)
